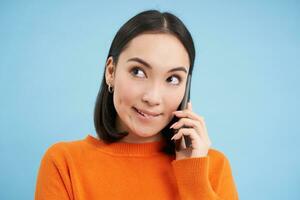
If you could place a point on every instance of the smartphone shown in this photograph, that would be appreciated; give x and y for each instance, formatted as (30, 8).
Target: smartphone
(185, 141)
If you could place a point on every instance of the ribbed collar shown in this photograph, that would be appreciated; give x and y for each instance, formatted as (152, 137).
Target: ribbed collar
(129, 149)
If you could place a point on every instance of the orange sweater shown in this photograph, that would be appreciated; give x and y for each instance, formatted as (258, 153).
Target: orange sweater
(89, 169)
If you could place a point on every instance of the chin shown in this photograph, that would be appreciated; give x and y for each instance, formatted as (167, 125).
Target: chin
(145, 134)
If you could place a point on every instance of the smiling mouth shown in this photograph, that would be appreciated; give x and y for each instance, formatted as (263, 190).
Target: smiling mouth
(144, 114)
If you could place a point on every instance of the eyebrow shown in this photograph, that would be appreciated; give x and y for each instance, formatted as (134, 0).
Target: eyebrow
(136, 59)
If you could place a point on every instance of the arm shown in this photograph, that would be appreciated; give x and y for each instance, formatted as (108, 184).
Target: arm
(53, 181)
(201, 172)
(201, 178)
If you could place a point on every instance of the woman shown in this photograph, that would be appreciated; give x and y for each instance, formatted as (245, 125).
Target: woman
(134, 156)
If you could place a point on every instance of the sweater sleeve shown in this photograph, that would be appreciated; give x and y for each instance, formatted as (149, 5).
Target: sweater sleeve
(205, 178)
(52, 180)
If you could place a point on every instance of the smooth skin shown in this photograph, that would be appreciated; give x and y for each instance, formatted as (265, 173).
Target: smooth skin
(158, 89)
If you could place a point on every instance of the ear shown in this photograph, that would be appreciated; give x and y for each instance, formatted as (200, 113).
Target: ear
(110, 71)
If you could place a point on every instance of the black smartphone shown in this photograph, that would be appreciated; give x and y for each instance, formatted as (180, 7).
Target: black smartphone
(185, 141)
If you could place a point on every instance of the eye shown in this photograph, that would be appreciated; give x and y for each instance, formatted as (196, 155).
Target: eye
(136, 71)
(175, 80)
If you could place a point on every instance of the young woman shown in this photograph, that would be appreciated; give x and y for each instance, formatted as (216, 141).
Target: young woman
(134, 155)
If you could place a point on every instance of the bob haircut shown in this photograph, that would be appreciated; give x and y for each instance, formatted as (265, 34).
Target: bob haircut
(149, 21)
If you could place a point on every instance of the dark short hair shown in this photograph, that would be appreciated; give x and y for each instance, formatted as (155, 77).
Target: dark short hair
(150, 21)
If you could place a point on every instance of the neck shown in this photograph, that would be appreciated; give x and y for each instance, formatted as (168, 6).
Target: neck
(135, 138)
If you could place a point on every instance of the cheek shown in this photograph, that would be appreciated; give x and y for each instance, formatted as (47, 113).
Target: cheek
(173, 100)
(125, 94)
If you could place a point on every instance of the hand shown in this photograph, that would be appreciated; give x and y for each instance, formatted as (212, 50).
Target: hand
(193, 126)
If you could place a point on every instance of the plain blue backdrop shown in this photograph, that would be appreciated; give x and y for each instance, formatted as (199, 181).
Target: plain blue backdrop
(52, 56)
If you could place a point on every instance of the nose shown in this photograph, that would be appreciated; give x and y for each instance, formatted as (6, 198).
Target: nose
(152, 96)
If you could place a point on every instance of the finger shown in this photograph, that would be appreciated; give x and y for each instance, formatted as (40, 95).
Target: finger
(181, 132)
(199, 127)
(196, 140)
(186, 122)
(204, 134)
(189, 123)
(189, 114)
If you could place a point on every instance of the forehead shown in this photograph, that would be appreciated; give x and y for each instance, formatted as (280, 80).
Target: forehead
(159, 49)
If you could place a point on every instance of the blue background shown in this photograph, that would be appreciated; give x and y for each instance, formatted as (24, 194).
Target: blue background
(52, 56)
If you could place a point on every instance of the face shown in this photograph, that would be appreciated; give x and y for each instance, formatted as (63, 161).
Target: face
(149, 83)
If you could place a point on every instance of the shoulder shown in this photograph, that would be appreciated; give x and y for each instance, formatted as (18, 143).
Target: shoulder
(218, 161)
(216, 154)
(63, 150)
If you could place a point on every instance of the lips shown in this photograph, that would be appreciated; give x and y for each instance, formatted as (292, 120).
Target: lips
(147, 113)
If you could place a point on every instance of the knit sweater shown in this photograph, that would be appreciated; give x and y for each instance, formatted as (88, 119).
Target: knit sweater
(90, 169)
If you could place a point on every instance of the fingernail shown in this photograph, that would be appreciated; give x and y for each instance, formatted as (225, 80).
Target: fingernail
(177, 111)
(176, 137)
(173, 125)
